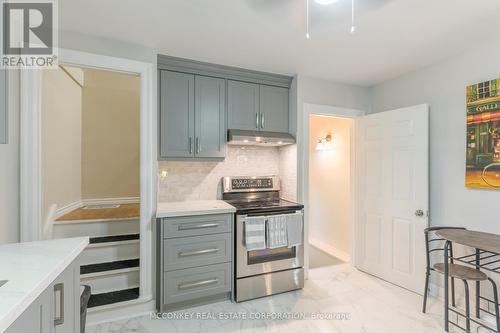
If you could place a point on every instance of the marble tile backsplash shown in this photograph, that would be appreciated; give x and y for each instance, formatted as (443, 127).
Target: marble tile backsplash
(201, 180)
(288, 172)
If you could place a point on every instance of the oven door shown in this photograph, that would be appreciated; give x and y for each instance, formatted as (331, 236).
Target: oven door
(256, 262)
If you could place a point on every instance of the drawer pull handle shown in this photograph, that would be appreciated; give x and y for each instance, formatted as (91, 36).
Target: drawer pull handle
(195, 253)
(199, 226)
(60, 319)
(197, 284)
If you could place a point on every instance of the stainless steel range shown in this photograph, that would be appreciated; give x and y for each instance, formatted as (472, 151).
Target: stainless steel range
(268, 266)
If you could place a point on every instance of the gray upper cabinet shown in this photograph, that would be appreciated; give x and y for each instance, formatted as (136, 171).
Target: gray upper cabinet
(274, 109)
(210, 117)
(192, 116)
(176, 114)
(3, 107)
(243, 105)
(200, 101)
(257, 107)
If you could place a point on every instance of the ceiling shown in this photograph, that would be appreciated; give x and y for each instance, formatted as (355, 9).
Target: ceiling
(393, 37)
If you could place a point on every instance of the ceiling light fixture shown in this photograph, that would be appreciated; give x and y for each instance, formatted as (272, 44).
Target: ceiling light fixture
(325, 2)
(353, 26)
(329, 2)
(307, 20)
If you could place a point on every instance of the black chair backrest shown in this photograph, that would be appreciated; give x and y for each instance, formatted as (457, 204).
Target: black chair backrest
(430, 238)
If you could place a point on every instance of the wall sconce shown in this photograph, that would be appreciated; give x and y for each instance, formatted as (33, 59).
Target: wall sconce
(325, 143)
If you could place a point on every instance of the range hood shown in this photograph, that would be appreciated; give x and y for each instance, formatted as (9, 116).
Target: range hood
(259, 138)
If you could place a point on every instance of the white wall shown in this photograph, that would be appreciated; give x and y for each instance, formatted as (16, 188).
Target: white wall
(321, 92)
(442, 86)
(317, 93)
(110, 135)
(61, 140)
(329, 201)
(9, 167)
(9, 154)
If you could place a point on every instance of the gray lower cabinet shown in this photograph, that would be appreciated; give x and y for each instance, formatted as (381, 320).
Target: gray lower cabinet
(192, 116)
(194, 260)
(57, 309)
(257, 107)
(4, 120)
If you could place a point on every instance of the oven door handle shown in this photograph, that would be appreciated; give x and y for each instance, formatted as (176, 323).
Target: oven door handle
(286, 212)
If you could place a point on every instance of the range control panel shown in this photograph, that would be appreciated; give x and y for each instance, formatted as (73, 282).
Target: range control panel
(252, 183)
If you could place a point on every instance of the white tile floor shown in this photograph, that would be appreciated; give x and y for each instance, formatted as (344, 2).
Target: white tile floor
(373, 306)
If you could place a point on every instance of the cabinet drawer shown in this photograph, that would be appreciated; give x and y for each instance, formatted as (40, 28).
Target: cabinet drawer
(192, 283)
(179, 253)
(196, 225)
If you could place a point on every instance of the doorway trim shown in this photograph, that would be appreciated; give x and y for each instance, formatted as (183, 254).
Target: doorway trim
(303, 167)
(31, 218)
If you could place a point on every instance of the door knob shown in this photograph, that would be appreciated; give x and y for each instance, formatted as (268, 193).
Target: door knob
(419, 213)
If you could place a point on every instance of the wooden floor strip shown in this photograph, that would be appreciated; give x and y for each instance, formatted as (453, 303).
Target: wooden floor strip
(124, 211)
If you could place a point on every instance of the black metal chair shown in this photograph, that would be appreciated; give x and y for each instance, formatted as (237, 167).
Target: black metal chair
(455, 271)
(430, 239)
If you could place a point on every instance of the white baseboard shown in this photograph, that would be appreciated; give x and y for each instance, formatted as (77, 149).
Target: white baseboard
(120, 311)
(110, 201)
(104, 201)
(66, 209)
(331, 250)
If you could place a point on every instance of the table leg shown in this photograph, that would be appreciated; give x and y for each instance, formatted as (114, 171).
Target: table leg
(446, 292)
(478, 286)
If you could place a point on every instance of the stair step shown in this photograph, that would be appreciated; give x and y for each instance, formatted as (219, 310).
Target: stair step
(109, 266)
(117, 238)
(96, 228)
(113, 297)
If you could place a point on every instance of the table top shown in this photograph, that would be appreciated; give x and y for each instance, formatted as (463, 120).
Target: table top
(476, 239)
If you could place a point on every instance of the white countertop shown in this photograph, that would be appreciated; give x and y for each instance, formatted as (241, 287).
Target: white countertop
(31, 268)
(195, 207)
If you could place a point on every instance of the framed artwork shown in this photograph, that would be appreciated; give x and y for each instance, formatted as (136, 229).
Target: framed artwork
(483, 135)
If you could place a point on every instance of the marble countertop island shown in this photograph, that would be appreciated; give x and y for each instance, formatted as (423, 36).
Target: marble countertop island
(29, 269)
(195, 207)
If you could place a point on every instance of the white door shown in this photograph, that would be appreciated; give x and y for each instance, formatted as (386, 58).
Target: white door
(393, 178)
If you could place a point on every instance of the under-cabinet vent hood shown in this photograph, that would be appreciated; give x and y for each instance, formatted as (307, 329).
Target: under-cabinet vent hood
(259, 138)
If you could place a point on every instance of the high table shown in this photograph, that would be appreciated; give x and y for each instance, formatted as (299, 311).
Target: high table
(486, 257)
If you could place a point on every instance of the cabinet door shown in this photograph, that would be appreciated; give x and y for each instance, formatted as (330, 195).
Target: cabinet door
(176, 114)
(274, 109)
(210, 117)
(243, 105)
(3, 107)
(38, 317)
(66, 289)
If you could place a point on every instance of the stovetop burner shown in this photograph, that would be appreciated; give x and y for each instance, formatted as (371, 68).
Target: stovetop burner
(248, 195)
